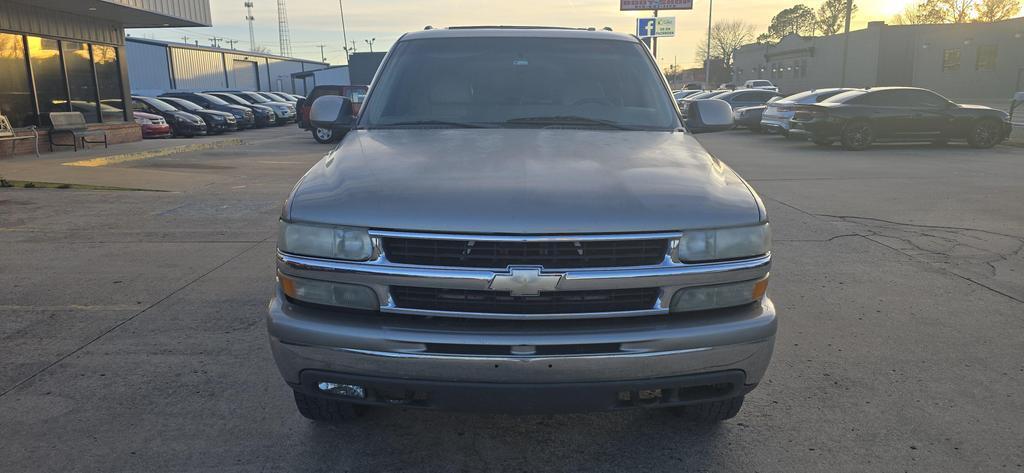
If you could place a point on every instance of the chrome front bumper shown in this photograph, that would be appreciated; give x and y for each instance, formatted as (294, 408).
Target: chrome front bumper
(404, 347)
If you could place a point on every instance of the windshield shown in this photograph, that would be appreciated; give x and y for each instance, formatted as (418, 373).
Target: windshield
(160, 105)
(236, 99)
(184, 104)
(213, 99)
(257, 98)
(521, 82)
(760, 83)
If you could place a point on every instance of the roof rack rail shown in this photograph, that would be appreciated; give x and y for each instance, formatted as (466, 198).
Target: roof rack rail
(516, 27)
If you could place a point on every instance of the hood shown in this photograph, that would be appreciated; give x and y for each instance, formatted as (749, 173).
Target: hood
(522, 181)
(237, 108)
(981, 107)
(190, 116)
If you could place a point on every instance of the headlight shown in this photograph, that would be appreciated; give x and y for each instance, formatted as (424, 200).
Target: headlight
(329, 293)
(718, 297)
(343, 243)
(724, 244)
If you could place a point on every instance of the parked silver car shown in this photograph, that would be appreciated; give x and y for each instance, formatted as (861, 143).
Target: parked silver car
(778, 113)
(514, 226)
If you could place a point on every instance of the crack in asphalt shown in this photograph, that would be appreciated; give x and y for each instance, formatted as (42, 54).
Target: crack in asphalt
(132, 317)
(971, 254)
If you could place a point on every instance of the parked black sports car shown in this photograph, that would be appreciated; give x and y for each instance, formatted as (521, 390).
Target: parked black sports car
(898, 114)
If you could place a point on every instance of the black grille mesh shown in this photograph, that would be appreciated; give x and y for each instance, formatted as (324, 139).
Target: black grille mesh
(500, 254)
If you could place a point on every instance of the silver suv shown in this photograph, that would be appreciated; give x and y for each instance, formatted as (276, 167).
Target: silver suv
(520, 222)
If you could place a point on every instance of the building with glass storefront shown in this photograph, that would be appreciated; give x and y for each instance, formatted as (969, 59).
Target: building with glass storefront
(69, 55)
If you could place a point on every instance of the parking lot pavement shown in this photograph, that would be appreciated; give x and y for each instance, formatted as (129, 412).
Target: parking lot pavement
(133, 336)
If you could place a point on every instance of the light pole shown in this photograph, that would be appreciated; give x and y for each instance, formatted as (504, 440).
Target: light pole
(846, 40)
(344, 34)
(370, 42)
(707, 60)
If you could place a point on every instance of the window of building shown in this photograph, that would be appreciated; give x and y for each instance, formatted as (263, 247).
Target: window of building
(51, 88)
(81, 81)
(951, 60)
(15, 92)
(108, 81)
(986, 57)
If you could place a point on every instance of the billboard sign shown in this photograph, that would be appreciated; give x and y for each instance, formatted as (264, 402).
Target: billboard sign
(656, 27)
(632, 5)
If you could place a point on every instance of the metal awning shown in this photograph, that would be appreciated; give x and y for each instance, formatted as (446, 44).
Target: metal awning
(135, 13)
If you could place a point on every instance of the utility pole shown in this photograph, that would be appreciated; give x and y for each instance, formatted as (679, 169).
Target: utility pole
(344, 34)
(653, 41)
(231, 42)
(351, 50)
(370, 42)
(322, 57)
(215, 42)
(184, 39)
(252, 33)
(846, 40)
(707, 60)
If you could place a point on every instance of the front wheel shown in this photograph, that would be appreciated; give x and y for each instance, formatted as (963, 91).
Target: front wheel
(711, 412)
(985, 134)
(858, 136)
(324, 135)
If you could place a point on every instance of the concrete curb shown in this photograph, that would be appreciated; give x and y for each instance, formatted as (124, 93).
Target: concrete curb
(153, 153)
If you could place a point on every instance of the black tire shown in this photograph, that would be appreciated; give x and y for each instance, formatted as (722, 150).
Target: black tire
(985, 134)
(711, 412)
(326, 410)
(823, 142)
(324, 135)
(858, 136)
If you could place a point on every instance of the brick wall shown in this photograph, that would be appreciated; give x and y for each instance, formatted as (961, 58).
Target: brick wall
(116, 133)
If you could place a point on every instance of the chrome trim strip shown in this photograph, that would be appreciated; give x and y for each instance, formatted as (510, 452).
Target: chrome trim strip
(510, 358)
(526, 238)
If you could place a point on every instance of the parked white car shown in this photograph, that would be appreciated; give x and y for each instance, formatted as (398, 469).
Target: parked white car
(760, 84)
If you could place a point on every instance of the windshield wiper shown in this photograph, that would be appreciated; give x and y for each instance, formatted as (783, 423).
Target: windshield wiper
(433, 123)
(569, 120)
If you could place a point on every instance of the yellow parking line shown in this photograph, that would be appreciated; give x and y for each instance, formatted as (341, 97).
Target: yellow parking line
(140, 155)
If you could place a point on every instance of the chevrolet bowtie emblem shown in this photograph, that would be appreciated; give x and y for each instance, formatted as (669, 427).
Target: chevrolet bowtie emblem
(525, 281)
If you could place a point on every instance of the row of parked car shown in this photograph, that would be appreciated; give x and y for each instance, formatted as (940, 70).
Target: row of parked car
(858, 118)
(188, 114)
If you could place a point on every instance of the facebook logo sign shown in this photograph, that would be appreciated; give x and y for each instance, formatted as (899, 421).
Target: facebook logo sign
(646, 27)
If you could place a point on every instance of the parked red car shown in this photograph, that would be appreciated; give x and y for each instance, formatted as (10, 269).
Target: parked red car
(153, 126)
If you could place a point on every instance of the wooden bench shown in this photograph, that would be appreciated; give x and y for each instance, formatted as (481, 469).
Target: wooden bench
(8, 133)
(73, 123)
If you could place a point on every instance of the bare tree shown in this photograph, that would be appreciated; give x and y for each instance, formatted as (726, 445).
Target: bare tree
(726, 37)
(831, 16)
(937, 11)
(996, 10)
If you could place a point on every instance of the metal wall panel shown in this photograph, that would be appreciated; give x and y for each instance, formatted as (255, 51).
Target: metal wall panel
(34, 20)
(148, 68)
(197, 11)
(196, 69)
(280, 72)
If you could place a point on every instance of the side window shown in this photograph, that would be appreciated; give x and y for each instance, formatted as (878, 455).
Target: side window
(951, 59)
(922, 98)
(742, 97)
(137, 105)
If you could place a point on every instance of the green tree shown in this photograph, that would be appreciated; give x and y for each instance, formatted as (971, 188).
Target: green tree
(831, 16)
(798, 19)
(996, 10)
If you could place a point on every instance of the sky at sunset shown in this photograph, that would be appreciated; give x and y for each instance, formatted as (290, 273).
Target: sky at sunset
(313, 22)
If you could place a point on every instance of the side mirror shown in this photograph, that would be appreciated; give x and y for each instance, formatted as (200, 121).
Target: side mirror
(331, 111)
(704, 116)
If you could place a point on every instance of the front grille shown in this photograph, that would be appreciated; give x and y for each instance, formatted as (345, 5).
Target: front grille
(492, 302)
(501, 254)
